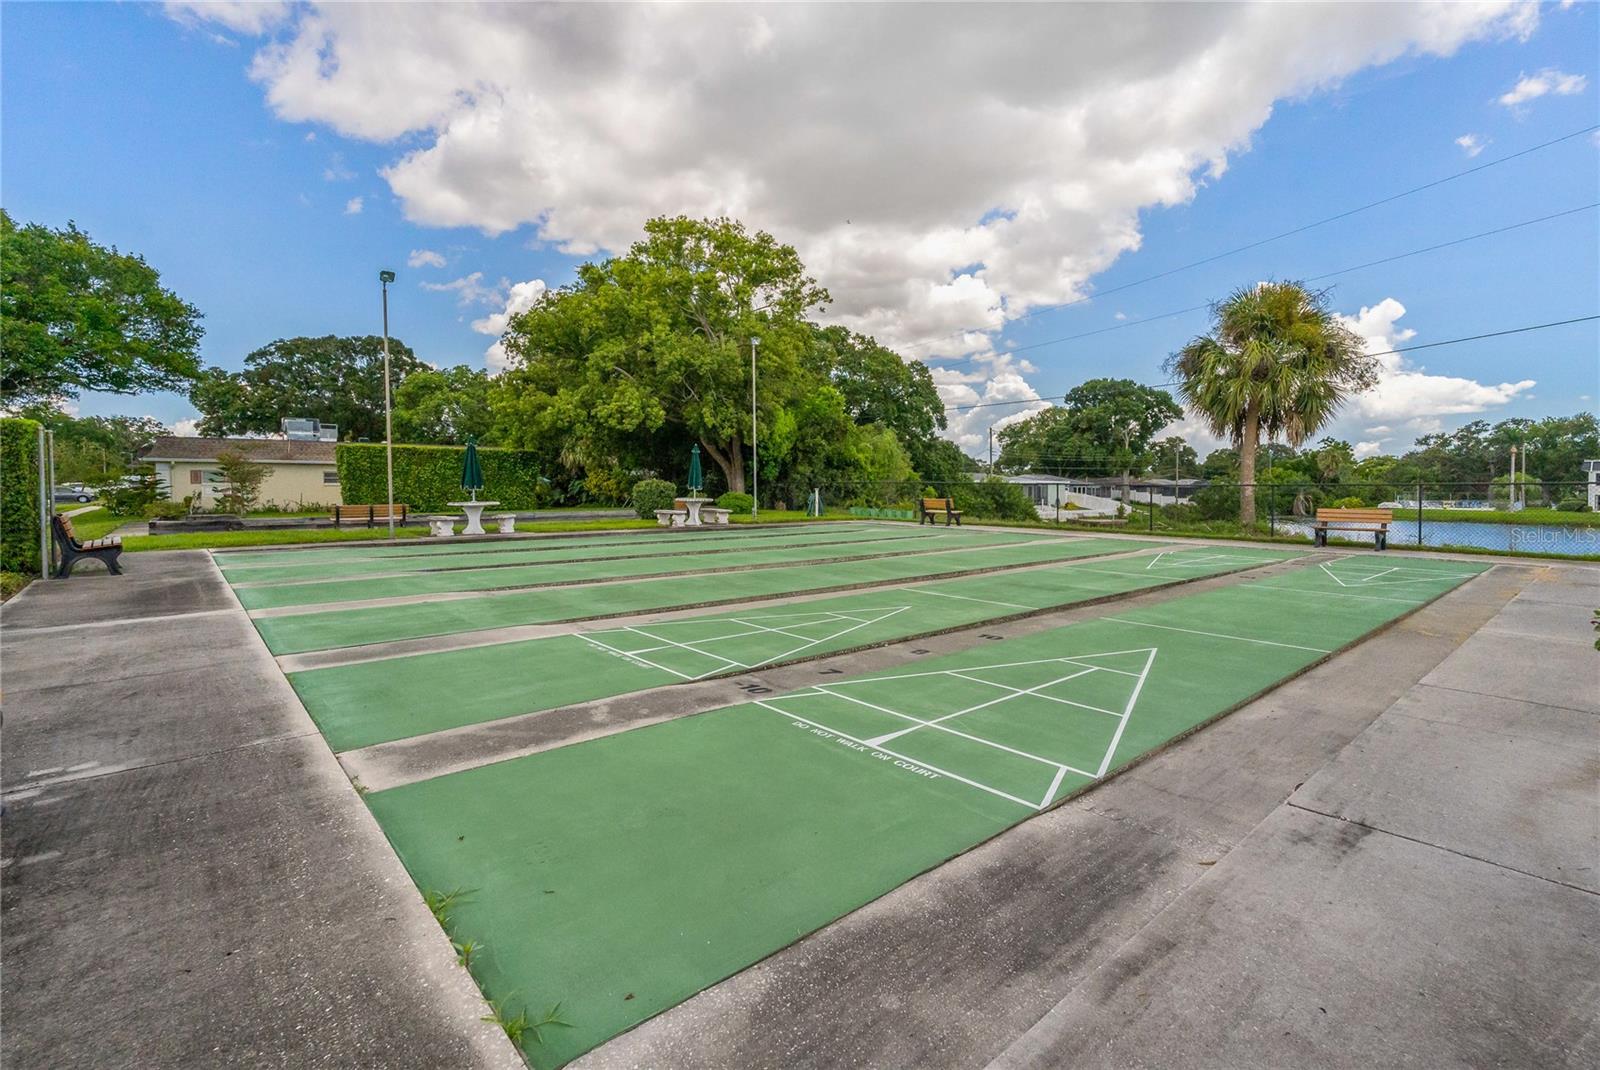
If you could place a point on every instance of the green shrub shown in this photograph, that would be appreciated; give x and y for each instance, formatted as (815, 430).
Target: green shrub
(737, 503)
(1218, 501)
(995, 499)
(1352, 502)
(652, 494)
(19, 496)
(128, 495)
(11, 583)
(1573, 505)
(428, 478)
(163, 510)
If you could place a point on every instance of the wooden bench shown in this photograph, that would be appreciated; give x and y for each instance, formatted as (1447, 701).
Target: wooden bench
(373, 515)
(1376, 521)
(932, 507)
(73, 549)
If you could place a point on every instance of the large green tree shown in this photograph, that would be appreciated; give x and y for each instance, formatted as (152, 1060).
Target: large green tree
(1102, 427)
(654, 347)
(1277, 361)
(334, 380)
(91, 449)
(443, 407)
(76, 315)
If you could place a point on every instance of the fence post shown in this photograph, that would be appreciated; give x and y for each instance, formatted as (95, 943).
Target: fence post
(47, 505)
(1272, 510)
(1153, 506)
(1419, 513)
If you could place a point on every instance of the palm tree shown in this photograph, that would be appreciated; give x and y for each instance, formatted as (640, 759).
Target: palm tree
(1277, 361)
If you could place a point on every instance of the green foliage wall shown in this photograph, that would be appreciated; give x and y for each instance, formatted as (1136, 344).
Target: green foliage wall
(429, 477)
(19, 496)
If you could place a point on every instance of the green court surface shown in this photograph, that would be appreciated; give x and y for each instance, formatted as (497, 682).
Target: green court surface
(242, 569)
(549, 573)
(621, 875)
(377, 701)
(316, 628)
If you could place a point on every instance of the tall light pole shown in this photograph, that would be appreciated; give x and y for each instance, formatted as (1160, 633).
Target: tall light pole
(385, 278)
(755, 459)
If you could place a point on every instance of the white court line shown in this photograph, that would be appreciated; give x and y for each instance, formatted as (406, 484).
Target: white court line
(1322, 594)
(1217, 635)
(952, 731)
(1033, 690)
(879, 740)
(685, 646)
(1002, 665)
(1127, 712)
(823, 639)
(646, 661)
(967, 598)
(902, 757)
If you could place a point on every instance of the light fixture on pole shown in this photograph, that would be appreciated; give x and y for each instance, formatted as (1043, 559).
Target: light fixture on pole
(385, 278)
(755, 460)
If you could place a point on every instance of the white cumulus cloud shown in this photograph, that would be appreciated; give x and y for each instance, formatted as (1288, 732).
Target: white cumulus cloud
(1533, 86)
(1406, 394)
(354, 205)
(424, 258)
(241, 16)
(1471, 144)
(941, 168)
(519, 298)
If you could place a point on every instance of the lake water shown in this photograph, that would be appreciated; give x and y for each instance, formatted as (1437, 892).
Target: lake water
(1527, 538)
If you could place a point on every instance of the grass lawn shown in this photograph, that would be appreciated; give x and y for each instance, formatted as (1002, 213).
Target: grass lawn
(97, 523)
(1505, 516)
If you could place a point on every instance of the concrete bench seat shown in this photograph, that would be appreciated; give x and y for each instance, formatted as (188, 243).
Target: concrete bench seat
(442, 527)
(672, 518)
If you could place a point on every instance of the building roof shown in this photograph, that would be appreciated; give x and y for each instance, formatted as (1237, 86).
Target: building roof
(270, 450)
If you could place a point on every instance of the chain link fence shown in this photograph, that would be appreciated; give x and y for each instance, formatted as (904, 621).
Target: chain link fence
(1535, 517)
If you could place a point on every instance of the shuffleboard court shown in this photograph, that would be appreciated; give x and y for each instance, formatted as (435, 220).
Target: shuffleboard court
(619, 876)
(386, 699)
(549, 573)
(245, 571)
(303, 629)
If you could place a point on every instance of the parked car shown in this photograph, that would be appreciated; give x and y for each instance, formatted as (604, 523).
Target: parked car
(74, 492)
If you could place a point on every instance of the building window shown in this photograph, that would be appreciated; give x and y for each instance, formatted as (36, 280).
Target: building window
(330, 479)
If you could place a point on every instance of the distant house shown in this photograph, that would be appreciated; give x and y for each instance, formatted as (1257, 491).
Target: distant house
(1591, 471)
(298, 472)
(1047, 490)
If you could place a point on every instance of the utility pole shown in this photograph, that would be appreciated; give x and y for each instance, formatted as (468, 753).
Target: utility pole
(755, 459)
(384, 279)
(991, 451)
(1511, 497)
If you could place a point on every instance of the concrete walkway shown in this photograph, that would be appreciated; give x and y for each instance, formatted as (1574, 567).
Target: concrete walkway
(189, 879)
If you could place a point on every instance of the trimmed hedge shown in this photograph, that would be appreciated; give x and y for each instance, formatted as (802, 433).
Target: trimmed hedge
(735, 502)
(429, 477)
(19, 496)
(652, 494)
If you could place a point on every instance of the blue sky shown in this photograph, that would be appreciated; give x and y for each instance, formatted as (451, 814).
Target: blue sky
(152, 134)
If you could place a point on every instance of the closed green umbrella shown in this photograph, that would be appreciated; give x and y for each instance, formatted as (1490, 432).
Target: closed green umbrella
(471, 470)
(696, 480)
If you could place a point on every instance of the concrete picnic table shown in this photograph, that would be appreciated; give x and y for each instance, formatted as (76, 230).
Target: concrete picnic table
(474, 511)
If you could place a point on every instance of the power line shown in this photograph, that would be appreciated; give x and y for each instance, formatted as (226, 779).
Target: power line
(1384, 353)
(1268, 240)
(1313, 278)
